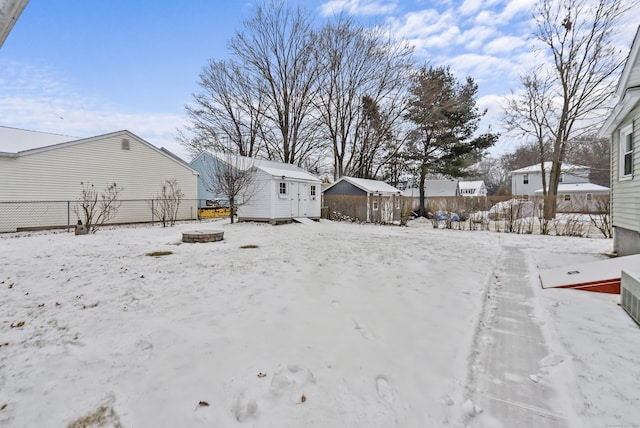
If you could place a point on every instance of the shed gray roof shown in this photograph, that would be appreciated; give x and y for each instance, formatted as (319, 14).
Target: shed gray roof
(369, 186)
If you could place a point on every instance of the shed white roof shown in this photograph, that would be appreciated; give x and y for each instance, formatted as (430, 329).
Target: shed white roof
(579, 188)
(369, 186)
(275, 169)
(566, 167)
(14, 140)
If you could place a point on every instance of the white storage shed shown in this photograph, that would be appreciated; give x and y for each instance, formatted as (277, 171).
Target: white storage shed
(278, 192)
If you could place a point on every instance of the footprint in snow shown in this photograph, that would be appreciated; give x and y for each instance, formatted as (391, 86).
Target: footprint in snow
(361, 329)
(384, 389)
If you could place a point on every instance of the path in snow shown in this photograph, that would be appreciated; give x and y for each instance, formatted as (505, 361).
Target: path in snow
(508, 382)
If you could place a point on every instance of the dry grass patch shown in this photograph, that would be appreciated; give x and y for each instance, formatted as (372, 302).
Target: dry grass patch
(159, 253)
(249, 246)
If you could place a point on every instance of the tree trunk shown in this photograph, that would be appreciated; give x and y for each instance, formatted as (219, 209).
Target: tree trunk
(423, 173)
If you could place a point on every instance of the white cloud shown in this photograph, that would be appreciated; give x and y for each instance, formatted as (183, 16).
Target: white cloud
(358, 7)
(503, 45)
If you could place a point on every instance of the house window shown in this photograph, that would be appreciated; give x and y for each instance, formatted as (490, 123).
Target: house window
(375, 204)
(397, 202)
(283, 188)
(561, 180)
(525, 179)
(589, 197)
(125, 144)
(626, 151)
(313, 190)
(567, 197)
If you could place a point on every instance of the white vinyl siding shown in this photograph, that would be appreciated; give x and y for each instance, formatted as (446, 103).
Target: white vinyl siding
(625, 203)
(56, 174)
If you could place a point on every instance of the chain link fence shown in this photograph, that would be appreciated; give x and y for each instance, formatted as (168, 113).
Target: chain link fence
(16, 216)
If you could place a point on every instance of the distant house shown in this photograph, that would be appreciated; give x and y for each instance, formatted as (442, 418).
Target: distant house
(580, 197)
(526, 181)
(370, 201)
(41, 177)
(278, 192)
(623, 127)
(472, 188)
(433, 189)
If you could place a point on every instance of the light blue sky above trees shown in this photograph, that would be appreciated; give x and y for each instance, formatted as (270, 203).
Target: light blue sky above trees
(86, 68)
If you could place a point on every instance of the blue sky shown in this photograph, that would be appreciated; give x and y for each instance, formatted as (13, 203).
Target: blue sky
(84, 68)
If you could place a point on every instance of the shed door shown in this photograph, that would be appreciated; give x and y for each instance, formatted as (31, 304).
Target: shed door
(295, 199)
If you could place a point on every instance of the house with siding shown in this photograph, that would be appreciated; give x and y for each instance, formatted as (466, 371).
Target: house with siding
(277, 192)
(41, 177)
(623, 127)
(365, 200)
(434, 189)
(580, 198)
(526, 181)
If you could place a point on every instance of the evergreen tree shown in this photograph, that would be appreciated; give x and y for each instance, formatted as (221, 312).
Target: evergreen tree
(445, 118)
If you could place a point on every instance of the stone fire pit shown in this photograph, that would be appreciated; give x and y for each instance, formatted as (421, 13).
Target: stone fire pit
(202, 236)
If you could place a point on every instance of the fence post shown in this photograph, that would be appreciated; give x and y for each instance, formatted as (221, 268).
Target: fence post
(68, 215)
(152, 211)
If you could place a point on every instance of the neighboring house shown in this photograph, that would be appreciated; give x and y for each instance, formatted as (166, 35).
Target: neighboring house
(278, 192)
(433, 189)
(371, 201)
(623, 127)
(51, 168)
(580, 197)
(472, 188)
(526, 181)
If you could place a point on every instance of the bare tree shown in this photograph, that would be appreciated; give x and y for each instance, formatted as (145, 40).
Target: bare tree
(166, 203)
(364, 78)
(232, 177)
(529, 113)
(96, 209)
(228, 114)
(577, 36)
(276, 48)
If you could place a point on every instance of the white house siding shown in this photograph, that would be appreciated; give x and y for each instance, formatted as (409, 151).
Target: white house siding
(56, 173)
(626, 193)
(259, 203)
(519, 188)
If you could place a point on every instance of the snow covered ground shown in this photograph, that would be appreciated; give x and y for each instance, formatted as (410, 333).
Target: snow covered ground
(327, 325)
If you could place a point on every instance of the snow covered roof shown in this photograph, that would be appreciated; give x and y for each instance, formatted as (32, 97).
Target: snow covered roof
(579, 188)
(275, 169)
(435, 188)
(369, 186)
(566, 167)
(444, 188)
(470, 184)
(14, 140)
